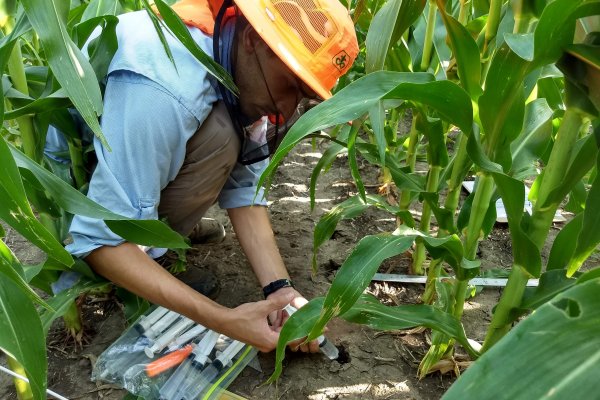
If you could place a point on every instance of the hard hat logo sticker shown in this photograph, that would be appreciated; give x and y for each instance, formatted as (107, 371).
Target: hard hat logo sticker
(341, 60)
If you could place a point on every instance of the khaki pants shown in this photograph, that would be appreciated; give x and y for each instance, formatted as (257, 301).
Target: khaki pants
(210, 156)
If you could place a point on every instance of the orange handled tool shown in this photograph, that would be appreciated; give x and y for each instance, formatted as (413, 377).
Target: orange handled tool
(169, 361)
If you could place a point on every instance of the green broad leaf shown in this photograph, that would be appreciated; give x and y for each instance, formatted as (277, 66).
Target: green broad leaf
(449, 248)
(16, 211)
(350, 103)
(99, 8)
(70, 67)
(403, 179)
(556, 28)
(552, 89)
(534, 139)
(562, 336)
(22, 335)
(101, 49)
(326, 161)
(54, 101)
(62, 301)
(368, 311)
(13, 270)
(178, 28)
(148, 232)
(7, 44)
(577, 196)
(551, 284)
(379, 36)
(564, 244)
(348, 209)
(465, 52)
(356, 273)
(589, 275)
(521, 44)
(157, 23)
(525, 251)
(589, 236)
(501, 106)
(443, 217)
(432, 129)
(296, 327)
(446, 98)
(357, 123)
(377, 118)
(386, 28)
(582, 161)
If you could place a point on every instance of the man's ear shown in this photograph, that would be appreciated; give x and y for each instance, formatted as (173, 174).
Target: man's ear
(249, 38)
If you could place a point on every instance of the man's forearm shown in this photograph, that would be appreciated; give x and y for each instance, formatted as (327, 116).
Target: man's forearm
(129, 267)
(254, 232)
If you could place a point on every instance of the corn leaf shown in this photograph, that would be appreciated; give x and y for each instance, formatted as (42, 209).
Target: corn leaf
(380, 35)
(13, 270)
(62, 301)
(356, 273)
(584, 158)
(22, 335)
(589, 236)
(564, 244)
(356, 99)
(352, 159)
(178, 28)
(377, 118)
(502, 104)
(390, 22)
(16, 211)
(296, 327)
(7, 44)
(562, 336)
(99, 8)
(556, 28)
(145, 232)
(533, 140)
(465, 52)
(70, 67)
(326, 161)
(368, 311)
(54, 101)
(551, 284)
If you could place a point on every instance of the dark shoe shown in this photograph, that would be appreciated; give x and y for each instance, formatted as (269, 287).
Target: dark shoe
(201, 280)
(207, 231)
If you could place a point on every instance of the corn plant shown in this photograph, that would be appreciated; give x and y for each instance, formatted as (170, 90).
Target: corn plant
(44, 78)
(522, 88)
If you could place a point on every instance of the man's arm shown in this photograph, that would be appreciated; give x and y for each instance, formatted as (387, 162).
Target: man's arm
(127, 266)
(253, 229)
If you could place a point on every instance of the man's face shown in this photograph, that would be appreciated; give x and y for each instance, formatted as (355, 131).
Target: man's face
(266, 84)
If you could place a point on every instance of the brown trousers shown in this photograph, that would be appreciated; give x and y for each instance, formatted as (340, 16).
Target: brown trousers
(210, 156)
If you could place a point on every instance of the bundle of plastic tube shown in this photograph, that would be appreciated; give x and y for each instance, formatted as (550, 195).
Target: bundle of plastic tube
(168, 356)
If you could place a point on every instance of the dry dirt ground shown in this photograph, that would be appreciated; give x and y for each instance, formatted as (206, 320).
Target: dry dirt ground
(380, 366)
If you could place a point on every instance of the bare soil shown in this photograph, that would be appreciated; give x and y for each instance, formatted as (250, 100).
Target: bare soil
(379, 366)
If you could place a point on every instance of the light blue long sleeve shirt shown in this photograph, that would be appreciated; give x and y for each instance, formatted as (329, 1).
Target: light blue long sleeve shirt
(150, 112)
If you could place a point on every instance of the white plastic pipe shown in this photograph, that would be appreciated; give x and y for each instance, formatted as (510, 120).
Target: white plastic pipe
(21, 377)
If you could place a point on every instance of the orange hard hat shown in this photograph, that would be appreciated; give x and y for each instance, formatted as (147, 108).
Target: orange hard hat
(314, 38)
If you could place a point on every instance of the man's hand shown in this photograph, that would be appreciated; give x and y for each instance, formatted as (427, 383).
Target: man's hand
(248, 322)
(279, 317)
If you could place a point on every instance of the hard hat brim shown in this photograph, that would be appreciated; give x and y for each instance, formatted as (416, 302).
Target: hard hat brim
(257, 15)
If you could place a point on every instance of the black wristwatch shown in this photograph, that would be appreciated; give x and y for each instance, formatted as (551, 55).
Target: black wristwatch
(276, 285)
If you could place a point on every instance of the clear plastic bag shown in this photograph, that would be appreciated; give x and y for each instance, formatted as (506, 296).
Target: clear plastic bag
(166, 356)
